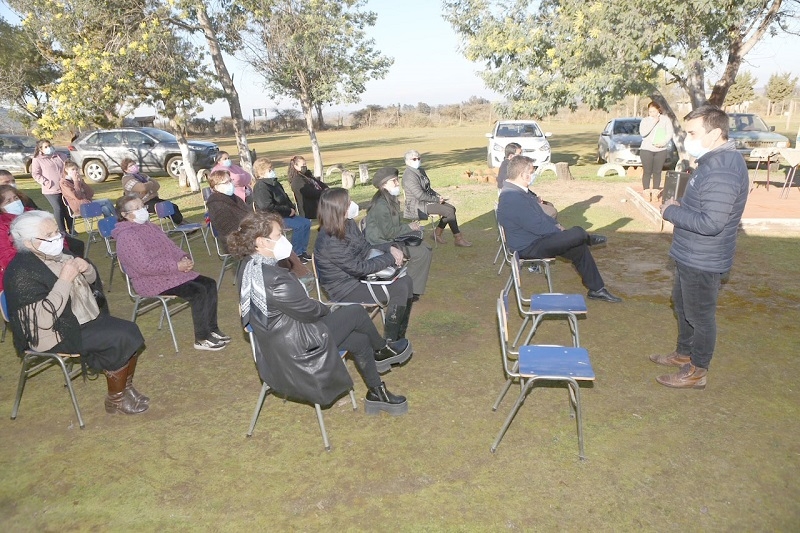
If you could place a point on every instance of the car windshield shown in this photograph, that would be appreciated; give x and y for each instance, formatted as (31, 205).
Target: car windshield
(747, 123)
(626, 127)
(27, 142)
(518, 130)
(160, 135)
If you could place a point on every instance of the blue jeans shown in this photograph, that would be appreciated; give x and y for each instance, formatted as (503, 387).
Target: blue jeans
(301, 231)
(107, 207)
(694, 297)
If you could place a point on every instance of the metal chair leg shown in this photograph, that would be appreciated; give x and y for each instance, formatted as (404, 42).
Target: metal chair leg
(169, 322)
(353, 400)
(261, 397)
(23, 376)
(506, 387)
(525, 390)
(322, 428)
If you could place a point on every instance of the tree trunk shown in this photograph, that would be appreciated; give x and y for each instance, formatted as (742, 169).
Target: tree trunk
(228, 88)
(188, 157)
(320, 120)
(312, 135)
(562, 171)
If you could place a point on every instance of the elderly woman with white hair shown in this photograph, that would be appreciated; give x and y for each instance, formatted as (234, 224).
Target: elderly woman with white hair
(422, 201)
(53, 308)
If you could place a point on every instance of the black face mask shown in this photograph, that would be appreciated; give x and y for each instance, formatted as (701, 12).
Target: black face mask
(304, 169)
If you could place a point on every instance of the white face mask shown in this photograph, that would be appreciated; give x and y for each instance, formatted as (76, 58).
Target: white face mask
(695, 148)
(394, 191)
(225, 188)
(282, 248)
(271, 175)
(414, 164)
(140, 216)
(352, 210)
(53, 247)
(14, 208)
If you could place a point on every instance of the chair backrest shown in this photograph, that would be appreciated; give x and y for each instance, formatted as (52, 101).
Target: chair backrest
(316, 278)
(165, 209)
(3, 305)
(106, 226)
(502, 233)
(214, 234)
(206, 191)
(91, 210)
(502, 327)
(517, 281)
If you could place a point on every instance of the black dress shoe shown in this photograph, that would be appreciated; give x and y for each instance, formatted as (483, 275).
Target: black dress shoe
(595, 240)
(304, 258)
(604, 295)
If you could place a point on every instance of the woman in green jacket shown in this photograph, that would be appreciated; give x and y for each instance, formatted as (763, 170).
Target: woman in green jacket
(383, 224)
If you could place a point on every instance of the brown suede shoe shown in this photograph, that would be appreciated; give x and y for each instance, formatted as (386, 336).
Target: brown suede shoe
(670, 359)
(688, 377)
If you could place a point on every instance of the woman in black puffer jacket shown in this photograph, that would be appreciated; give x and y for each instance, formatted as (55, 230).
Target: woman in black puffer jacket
(342, 258)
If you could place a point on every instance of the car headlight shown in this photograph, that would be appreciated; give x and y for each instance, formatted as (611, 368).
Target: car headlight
(544, 148)
(196, 148)
(783, 144)
(498, 148)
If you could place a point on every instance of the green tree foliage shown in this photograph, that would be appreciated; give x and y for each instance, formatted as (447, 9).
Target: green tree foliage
(26, 77)
(544, 55)
(315, 52)
(742, 89)
(780, 88)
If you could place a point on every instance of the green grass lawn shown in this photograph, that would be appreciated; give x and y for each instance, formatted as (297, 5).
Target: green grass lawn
(722, 459)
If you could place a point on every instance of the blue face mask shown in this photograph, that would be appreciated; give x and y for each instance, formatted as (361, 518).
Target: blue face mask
(225, 188)
(227, 163)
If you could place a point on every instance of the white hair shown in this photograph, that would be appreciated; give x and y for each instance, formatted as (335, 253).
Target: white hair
(410, 154)
(27, 227)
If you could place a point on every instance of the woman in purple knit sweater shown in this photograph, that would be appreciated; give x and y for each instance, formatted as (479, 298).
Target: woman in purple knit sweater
(157, 266)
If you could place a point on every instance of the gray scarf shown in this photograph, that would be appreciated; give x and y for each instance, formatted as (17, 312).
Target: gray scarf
(253, 289)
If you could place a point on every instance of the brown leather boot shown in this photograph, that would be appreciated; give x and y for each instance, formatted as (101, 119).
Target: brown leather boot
(670, 359)
(437, 236)
(688, 377)
(117, 401)
(461, 241)
(138, 396)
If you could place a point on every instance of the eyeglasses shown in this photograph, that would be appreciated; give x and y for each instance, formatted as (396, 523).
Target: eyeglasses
(51, 239)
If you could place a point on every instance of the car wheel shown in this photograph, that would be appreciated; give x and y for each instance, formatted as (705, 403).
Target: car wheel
(489, 159)
(600, 158)
(174, 166)
(95, 171)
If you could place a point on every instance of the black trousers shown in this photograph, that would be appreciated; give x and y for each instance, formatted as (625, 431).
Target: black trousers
(201, 293)
(63, 219)
(448, 214)
(352, 330)
(569, 244)
(176, 217)
(652, 163)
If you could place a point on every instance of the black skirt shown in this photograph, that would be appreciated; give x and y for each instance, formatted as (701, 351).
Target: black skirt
(108, 342)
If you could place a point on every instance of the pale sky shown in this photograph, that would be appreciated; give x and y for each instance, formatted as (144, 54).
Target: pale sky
(428, 67)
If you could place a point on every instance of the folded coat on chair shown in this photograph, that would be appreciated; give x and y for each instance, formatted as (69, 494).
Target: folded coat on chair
(294, 353)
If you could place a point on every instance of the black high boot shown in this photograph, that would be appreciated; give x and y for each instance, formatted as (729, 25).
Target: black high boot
(135, 394)
(395, 315)
(380, 399)
(117, 401)
(406, 317)
(394, 353)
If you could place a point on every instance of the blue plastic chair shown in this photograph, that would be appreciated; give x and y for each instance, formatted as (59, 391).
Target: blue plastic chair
(33, 363)
(538, 363)
(91, 212)
(105, 226)
(164, 211)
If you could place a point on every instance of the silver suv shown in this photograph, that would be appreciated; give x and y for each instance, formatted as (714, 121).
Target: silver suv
(156, 151)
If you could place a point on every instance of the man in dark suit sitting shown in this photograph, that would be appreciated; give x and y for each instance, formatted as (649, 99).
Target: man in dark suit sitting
(534, 235)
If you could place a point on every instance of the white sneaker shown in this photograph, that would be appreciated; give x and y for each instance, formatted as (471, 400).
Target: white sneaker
(217, 337)
(209, 345)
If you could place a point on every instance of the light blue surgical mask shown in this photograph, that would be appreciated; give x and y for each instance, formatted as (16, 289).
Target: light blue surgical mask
(226, 188)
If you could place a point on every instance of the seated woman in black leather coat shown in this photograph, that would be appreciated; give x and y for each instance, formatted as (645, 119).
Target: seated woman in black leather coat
(297, 338)
(342, 257)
